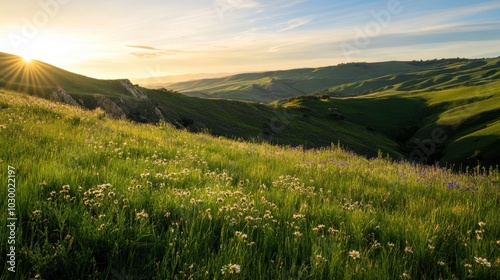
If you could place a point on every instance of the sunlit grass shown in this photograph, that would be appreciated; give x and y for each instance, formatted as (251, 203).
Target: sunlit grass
(108, 199)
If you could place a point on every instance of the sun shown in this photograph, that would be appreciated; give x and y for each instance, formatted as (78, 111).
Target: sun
(27, 58)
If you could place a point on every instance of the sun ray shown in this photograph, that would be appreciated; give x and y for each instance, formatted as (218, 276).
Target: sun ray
(27, 76)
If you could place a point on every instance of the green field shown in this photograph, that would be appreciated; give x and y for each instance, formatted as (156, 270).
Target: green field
(101, 198)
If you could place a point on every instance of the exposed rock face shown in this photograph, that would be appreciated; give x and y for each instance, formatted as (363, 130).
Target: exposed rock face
(110, 107)
(60, 95)
(133, 90)
(160, 115)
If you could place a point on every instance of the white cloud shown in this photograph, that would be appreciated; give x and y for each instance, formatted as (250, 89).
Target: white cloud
(294, 23)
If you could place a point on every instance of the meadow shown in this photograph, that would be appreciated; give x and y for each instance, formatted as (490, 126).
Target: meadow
(100, 198)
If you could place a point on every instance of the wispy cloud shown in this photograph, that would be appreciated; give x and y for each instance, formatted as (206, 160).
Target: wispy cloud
(254, 35)
(294, 23)
(143, 47)
(441, 20)
(149, 52)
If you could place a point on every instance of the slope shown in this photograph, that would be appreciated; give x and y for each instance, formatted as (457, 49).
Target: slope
(452, 126)
(233, 119)
(346, 79)
(100, 198)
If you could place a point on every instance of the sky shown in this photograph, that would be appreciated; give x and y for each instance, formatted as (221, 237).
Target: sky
(139, 39)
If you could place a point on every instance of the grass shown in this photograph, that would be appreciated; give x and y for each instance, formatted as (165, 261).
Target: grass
(412, 100)
(467, 116)
(229, 118)
(98, 198)
(346, 79)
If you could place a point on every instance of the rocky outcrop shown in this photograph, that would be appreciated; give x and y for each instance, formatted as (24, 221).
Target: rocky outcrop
(160, 115)
(133, 90)
(60, 95)
(109, 107)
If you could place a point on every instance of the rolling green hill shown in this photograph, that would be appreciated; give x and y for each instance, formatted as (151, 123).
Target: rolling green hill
(410, 103)
(444, 111)
(233, 119)
(454, 126)
(86, 196)
(346, 79)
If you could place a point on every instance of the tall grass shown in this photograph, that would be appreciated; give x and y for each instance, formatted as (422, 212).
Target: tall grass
(108, 199)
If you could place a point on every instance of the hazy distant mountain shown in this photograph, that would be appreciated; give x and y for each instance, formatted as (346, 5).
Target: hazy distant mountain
(165, 81)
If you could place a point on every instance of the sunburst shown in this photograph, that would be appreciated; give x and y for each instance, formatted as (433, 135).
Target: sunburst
(25, 74)
(27, 58)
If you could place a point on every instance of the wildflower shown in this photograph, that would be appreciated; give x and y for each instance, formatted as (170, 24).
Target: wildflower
(298, 216)
(268, 216)
(332, 230)
(405, 276)
(318, 227)
(376, 245)
(482, 261)
(36, 213)
(481, 224)
(231, 269)
(141, 214)
(101, 227)
(354, 254)
(441, 263)
(408, 250)
(498, 242)
(297, 234)
(390, 244)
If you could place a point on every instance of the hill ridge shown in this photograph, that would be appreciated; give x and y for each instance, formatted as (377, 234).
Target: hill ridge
(349, 79)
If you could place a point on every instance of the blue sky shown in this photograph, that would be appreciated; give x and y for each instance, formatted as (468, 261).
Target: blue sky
(130, 38)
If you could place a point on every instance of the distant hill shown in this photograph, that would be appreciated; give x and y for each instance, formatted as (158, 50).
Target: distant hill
(345, 79)
(165, 81)
(454, 119)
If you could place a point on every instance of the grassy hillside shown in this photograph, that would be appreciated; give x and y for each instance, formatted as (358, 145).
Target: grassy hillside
(231, 119)
(453, 126)
(42, 79)
(346, 79)
(99, 198)
(464, 116)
